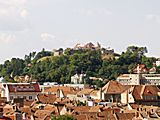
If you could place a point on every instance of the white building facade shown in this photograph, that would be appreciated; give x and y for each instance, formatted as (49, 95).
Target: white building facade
(139, 79)
(28, 91)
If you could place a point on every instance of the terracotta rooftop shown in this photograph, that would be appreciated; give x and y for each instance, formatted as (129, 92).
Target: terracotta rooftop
(65, 89)
(140, 68)
(106, 115)
(113, 87)
(46, 98)
(125, 116)
(26, 110)
(144, 90)
(151, 90)
(33, 87)
(42, 114)
(95, 109)
(52, 108)
(81, 108)
(85, 91)
(94, 92)
(55, 88)
(28, 102)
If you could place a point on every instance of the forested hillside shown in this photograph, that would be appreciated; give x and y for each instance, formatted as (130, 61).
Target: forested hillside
(44, 66)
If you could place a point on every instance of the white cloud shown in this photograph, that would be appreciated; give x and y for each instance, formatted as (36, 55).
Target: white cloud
(93, 11)
(153, 17)
(13, 15)
(24, 13)
(14, 2)
(47, 37)
(6, 38)
(104, 11)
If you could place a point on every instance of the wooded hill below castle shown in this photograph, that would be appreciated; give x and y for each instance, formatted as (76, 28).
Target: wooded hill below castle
(59, 65)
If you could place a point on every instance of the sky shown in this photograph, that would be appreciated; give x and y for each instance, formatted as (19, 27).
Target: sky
(31, 25)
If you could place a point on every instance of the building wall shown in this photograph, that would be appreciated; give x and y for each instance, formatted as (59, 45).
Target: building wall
(112, 97)
(129, 79)
(127, 97)
(25, 95)
(137, 79)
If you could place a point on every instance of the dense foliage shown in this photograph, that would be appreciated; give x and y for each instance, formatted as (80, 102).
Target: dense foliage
(44, 66)
(63, 117)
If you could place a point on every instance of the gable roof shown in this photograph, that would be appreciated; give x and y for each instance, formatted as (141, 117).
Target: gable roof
(52, 108)
(95, 109)
(32, 87)
(46, 98)
(81, 108)
(113, 87)
(144, 90)
(65, 90)
(151, 90)
(125, 116)
(42, 114)
(85, 91)
(106, 115)
(55, 88)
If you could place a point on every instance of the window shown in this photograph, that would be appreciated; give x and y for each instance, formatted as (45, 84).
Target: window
(24, 97)
(11, 97)
(30, 97)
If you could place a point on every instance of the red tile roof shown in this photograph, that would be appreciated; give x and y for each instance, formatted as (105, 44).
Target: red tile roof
(144, 90)
(42, 114)
(136, 92)
(85, 91)
(125, 116)
(113, 87)
(151, 90)
(106, 115)
(46, 98)
(33, 87)
(66, 90)
(81, 108)
(55, 88)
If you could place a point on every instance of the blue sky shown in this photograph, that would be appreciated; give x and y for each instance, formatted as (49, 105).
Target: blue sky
(30, 25)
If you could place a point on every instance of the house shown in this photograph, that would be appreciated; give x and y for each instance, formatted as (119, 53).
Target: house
(87, 46)
(77, 79)
(28, 91)
(146, 94)
(84, 94)
(24, 79)
(158, 62)
(111, 92)
(139, 79)
(46, 98)
(126, 96)
(58, 52)
(96, 95)
(42, 115)
(129, 79)
(153, 70)
(61, 91)
(140, 68)
(141, 94)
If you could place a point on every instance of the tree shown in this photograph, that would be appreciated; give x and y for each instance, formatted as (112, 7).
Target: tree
(63, 117)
